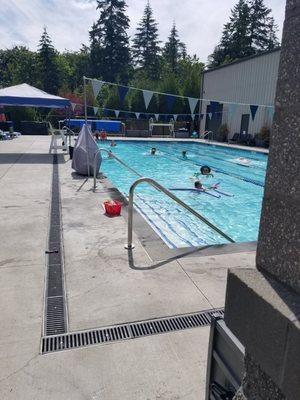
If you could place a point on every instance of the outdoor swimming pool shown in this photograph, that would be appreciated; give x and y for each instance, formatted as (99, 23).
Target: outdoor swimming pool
(237, 212)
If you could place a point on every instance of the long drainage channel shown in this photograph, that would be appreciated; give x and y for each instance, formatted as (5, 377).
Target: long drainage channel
(134, 330)
(55, 321)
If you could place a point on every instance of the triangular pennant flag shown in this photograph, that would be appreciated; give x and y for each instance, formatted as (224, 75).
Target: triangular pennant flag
(175, 116)
(192, 102)
(96, 110)
(232, 109)
(123, 90)
(170, 102)
(147, 97)
(137, 115)
(117, 112)
(156, 116)
(73, 106)
(96, 85)
(209, 115)
(253, 109)
(214, 107)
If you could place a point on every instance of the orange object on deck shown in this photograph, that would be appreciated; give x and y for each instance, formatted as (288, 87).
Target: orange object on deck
(113, 207)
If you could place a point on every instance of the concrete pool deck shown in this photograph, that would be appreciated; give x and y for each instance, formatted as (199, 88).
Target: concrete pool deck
(103, 287)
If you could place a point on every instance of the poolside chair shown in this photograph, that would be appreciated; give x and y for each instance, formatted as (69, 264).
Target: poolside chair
(235, 138)
(57, 134)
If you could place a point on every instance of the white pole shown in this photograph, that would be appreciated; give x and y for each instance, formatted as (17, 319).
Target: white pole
(86, 126)
(85, 100)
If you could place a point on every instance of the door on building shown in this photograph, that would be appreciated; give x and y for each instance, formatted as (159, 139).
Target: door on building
(213, 124)
(245, 123)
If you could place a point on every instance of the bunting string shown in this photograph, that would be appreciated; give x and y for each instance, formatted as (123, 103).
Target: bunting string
(148, 94)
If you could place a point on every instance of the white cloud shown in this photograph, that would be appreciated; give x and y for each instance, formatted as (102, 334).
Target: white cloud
(199, 22)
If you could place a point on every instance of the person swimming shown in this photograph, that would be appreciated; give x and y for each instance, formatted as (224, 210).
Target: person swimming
(113, 143)
(184, 154)
(198, 185)
(153, 151)
(206, 171)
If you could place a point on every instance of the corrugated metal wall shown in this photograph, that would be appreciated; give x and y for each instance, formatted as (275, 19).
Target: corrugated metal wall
(252, 81)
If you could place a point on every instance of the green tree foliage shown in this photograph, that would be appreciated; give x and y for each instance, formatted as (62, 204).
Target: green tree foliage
(110, 54)
(48, 68)
(174, 49)
(146, 44)
(250, 30)
(17, 66)
(262, 27)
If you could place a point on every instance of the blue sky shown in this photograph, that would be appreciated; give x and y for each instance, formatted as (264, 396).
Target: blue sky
(199, 22)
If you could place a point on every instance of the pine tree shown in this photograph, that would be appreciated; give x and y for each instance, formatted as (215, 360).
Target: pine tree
(250, 30)
(146, 44)
(47, 64)
(110, 54)
(174, 49)
(262, 27)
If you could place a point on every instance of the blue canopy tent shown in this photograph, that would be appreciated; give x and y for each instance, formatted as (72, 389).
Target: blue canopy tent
(25, 95)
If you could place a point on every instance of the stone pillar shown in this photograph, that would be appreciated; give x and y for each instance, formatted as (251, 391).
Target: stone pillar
(263, 305)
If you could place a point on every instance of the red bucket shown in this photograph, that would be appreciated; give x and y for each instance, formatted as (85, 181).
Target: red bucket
(112, 207)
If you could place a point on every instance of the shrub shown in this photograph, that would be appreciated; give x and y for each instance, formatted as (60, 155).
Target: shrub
(265, 133)
(223, 133)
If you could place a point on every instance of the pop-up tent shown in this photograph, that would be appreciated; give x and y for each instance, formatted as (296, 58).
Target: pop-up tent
(28, 96)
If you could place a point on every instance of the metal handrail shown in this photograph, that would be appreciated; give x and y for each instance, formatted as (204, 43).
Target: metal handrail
(112, 155)
(207, 134)
(155, 184)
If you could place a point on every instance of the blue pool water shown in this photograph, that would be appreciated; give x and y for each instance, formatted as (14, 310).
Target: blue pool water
(237, 215)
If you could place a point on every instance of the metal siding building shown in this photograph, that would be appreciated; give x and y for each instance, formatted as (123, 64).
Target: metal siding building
(251, 81)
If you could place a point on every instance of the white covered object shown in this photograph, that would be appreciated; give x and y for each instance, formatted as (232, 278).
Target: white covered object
(84, 153)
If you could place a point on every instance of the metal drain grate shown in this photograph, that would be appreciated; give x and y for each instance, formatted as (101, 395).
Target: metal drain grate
(75, 340)
(55, 309)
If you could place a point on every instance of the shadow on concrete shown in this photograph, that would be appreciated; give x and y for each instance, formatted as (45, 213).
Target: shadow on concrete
(163, 262)
(29, 158)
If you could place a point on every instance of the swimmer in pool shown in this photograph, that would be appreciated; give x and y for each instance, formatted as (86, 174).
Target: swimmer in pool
(113, 143)
(184, 155)
(243, 160)
(153, 151)
(199, 185)
(204, 171)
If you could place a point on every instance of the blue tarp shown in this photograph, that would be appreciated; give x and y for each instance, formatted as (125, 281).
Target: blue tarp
(29, 96)
(108, 126)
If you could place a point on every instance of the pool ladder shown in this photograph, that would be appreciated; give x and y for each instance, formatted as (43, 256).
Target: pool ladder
(159, 187)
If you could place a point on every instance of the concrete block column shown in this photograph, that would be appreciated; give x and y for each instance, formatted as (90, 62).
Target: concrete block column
(263, 305)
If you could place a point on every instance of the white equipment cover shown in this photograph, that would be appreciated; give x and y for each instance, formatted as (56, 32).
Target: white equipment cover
(84, 153)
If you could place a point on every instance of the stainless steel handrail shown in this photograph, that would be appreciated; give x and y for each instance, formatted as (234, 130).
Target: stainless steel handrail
(155, 184)
(207, 135)
(112, 155)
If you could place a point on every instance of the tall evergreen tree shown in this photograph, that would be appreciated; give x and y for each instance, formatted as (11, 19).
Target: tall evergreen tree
(174, 49)
(146, 44)
(47, 64)
(262, 27)
(250, 30)
(110, 54)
